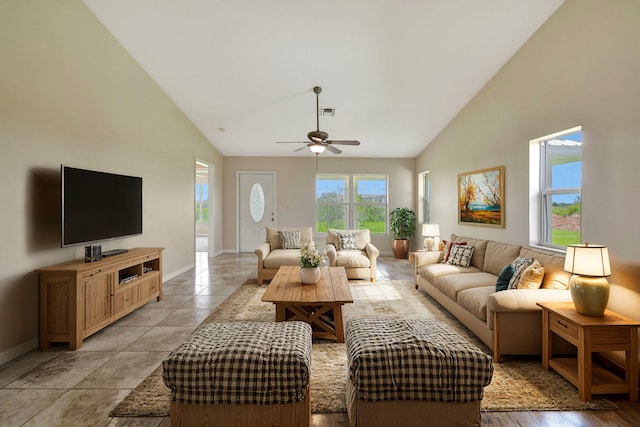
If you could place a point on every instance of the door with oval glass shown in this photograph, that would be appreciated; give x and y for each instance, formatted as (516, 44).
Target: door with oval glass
(256, 208)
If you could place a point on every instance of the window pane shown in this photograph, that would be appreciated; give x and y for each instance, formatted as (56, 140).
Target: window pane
(566, 212)
(373, 217)
(331, 216)
(370, 188)
(332, 188)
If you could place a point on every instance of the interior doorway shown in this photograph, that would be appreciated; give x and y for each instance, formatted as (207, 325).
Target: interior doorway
(204, 208)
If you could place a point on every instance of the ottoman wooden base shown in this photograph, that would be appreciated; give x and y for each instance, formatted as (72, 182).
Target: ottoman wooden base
(409, 413)
(294, 414)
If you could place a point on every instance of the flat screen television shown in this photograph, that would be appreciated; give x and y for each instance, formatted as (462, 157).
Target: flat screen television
(99, 206)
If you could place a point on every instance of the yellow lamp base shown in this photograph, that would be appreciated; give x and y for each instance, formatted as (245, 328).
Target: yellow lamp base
(590, 295)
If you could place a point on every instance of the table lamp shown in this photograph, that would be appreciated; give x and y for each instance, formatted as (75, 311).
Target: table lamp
(589, 265)
(431, 232)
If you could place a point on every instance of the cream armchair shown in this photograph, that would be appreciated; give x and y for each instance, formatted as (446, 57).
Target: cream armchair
(353, 250)
(272, 255)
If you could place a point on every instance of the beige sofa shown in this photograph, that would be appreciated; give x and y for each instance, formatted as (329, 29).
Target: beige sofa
(509, 321)
(271, 255)
(359, 260)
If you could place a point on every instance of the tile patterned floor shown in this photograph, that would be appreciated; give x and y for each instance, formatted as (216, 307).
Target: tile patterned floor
(78, 388)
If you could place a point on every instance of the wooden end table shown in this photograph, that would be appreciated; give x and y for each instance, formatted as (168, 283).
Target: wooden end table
(319, 304)
(610, 332)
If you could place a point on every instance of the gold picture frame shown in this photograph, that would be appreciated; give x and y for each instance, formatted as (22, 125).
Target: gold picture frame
(481, 197)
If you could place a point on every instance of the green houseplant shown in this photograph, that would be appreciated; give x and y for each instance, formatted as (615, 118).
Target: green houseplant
(402, 223)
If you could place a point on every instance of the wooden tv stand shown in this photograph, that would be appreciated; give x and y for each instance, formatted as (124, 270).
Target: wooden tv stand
(77, 298)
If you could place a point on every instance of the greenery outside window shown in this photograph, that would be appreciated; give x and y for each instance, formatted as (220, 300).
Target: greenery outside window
(351, 201)
(202, 203)
(560, 188)
(424, 188)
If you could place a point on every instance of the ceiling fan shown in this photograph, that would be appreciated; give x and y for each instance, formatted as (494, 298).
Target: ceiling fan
(319, 140)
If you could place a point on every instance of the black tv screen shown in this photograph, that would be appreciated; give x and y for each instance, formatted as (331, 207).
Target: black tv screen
(99, 206)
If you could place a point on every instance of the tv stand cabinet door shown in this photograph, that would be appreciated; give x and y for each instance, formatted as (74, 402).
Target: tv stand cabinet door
(97, 302)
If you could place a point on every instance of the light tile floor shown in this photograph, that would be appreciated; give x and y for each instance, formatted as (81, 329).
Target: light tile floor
(57, 387)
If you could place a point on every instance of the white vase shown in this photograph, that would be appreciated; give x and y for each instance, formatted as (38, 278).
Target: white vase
(309, 276)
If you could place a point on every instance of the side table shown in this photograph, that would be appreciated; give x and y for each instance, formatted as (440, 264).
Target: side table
(610, 332)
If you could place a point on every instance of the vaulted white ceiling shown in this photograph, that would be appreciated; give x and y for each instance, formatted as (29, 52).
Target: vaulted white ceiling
(396, 72)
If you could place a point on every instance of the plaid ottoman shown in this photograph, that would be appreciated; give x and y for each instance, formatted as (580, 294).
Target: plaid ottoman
(404, 370)
(244, 373)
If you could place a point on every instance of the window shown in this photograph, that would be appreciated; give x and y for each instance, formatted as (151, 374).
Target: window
(559, 198)
(355, 201)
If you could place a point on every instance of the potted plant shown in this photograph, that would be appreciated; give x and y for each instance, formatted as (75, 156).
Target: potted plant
(402, 222)
(309, 261)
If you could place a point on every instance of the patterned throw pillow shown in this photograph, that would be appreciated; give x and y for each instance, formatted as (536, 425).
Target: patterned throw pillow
(519, 265)
(460, 255)
(346, 241)
(502, 284)
(447, 249)
(290, 239)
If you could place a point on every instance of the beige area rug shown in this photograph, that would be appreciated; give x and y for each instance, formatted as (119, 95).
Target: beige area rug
(517, 385)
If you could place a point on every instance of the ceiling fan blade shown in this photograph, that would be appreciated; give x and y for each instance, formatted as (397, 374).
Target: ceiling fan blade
(333, 149)
(341, 142)
(291, 142)
(301, 148)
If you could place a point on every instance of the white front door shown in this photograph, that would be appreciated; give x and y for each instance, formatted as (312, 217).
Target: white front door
(256, 208)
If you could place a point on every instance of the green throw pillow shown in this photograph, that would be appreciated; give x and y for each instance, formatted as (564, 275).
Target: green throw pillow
(504, 277)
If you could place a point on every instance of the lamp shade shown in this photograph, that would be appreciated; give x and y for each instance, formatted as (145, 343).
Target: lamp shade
(430, 230)
(587, 260)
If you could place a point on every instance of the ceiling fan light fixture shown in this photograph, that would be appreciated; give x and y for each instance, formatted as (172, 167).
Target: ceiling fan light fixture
(317, 148)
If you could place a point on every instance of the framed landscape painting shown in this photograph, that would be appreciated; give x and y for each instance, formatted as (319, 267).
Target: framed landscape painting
(481, 197)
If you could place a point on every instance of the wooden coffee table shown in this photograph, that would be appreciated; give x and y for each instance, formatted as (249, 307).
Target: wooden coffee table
(319, 304)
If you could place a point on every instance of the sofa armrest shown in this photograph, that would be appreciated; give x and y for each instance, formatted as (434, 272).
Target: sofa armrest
(330, 250)
(427, 257)
(262, 251)
(372, 252)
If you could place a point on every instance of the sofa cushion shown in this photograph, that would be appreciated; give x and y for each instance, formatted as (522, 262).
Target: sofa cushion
(480, 248)
(554, 275)
(361, 237)
(460, 255)
(277, 259)
(431, 272)
(532, 276)
(352, 258)
(273, 238)
(451, 284)
(475, 300)
(502, 284)
(498, 255)
(290, 239)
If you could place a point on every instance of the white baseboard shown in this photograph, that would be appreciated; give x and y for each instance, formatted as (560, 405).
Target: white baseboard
(18, 350)
(169, 276)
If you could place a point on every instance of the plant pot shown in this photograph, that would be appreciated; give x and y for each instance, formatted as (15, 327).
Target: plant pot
(309, 276)
(400, 248)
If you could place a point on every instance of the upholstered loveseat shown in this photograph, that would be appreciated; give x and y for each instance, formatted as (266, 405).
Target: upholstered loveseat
(353, 250)
(272, 255)
(507, 321)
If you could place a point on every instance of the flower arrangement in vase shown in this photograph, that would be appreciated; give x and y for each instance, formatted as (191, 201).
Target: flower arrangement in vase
(309, 261)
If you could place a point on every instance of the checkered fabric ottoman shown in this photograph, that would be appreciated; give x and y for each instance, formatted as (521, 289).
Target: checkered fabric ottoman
(404, 370)
(245, 373)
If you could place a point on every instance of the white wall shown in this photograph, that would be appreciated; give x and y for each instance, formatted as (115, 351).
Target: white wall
(71, 94)
(581, 68)
(295, 182)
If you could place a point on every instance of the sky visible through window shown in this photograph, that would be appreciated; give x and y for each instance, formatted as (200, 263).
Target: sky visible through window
(568, 175)
(364, 186)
